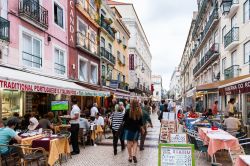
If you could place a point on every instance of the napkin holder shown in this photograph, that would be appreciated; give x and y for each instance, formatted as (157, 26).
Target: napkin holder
(214, 128)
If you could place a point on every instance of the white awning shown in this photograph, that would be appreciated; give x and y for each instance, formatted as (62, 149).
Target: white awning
(27, 81)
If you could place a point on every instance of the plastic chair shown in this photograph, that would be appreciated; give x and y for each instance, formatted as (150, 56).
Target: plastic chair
(235, 153)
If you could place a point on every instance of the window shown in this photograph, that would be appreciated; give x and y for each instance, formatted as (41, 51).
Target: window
(82, 33)
(234, 21)
(216, 37)
(59, 62)
(83, 70)
(32, 52)
(93, 47)
(118, 35)
(123, 40)
(118, 55)
(223, 64)
(246, 12)
(246, 52)
(223, 33)
(123, 59)
(103, 70)
(102, 44)
(92, 3)
(118, 76)
(110, 48)
(58, 15)
(93, 72)
(124, 78)
(233, 58)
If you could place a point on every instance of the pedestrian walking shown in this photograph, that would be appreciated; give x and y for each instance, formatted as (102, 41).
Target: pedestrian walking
(145, 120)
(74, 122)
(117, 127)
(132, 128)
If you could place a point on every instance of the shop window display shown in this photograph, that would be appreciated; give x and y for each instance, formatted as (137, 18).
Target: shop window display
(10, 103)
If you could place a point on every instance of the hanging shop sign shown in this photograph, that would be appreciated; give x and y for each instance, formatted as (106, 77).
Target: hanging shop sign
(176, 154)
(243, 87)
(30, 87)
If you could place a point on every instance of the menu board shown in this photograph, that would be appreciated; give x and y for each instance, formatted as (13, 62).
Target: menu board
(169, 116)
(176, 155)
(178, 138)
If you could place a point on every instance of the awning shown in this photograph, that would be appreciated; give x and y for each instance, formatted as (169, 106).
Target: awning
(216, 85)
(237, 87)
(27, 81)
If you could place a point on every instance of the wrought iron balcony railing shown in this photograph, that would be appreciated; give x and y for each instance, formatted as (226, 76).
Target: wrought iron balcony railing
(84, 42)
(32, 60)
(231, 36)
(208, 55)
(60, 69)
(32, 10)
(108, 28)
(4, 29)
(231, 72)
(89, 8)
(107, 55)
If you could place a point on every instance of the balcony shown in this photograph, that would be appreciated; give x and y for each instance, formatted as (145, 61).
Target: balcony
(88, 10)
(123, 86)
(229, 7)
(231, 72)
(59, 68)
(107, 55)
(108, 28)
(32, 12)
(210, 25)
(201, 12)
(86, 44)
(231, 39)
(211, 55)
(4, 29)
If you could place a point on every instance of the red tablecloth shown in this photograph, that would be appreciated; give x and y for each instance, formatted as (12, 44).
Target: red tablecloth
(217, 140)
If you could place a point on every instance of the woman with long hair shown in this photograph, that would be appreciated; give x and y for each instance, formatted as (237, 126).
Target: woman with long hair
(132, 128)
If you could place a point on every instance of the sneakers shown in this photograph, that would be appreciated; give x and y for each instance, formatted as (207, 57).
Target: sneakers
(74, 153)
(115, 152)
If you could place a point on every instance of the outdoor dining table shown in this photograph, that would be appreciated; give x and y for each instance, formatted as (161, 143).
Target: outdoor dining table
(217, 140)
(243, 160)
(55, 145)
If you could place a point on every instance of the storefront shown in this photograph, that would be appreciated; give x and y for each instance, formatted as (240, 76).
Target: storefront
(239, 90)
(23, 92)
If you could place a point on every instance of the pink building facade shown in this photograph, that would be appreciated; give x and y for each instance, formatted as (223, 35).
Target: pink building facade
(38, 39)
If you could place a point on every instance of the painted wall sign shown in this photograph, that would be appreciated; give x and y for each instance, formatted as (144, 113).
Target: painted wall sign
(71, 22)
(31, 87)
(243, 87)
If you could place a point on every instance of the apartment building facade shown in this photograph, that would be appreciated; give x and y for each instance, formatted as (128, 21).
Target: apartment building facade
(139, 53)
(36, 68)
(219, 55)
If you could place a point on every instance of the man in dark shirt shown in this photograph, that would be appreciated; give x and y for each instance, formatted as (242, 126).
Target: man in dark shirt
(145, 120)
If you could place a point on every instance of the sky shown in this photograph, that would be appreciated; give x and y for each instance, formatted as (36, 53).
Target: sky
(166, 23)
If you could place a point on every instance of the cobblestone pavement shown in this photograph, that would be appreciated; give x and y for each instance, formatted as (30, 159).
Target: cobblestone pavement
(102, 155)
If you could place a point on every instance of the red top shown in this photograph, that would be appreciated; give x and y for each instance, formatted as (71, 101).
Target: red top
(180, 115)
(192, 115)
(215, 109)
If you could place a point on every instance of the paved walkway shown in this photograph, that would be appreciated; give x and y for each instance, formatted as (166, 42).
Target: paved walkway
(102, 155)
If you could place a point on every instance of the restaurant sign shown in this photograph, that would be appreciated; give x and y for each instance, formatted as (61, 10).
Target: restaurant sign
(29, 87)
(243, 87)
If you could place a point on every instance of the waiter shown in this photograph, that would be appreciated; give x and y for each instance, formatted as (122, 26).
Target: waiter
(75, 120)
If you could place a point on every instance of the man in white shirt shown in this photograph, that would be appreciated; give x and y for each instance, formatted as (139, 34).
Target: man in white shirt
(75, 119)
(99, 122)
(93, 111)
(232, 124)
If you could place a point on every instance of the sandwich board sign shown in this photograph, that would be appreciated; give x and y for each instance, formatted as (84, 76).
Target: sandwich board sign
(176, 155)
(178, 138)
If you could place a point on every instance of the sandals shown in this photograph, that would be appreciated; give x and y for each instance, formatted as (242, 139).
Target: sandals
(135, 159)
(130, 159)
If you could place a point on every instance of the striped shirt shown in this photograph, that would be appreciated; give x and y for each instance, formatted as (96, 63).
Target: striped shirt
(117, 119)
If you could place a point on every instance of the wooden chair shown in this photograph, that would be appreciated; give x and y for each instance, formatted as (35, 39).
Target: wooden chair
(235, 153)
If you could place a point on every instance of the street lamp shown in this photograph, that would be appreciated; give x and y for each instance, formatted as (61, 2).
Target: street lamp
(225, 6)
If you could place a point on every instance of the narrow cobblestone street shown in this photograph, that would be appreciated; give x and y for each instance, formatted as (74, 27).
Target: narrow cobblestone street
(102, 155)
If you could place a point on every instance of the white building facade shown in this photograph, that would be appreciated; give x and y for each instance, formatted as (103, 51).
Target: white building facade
(174, 87)
(157, 82)
(139, 53)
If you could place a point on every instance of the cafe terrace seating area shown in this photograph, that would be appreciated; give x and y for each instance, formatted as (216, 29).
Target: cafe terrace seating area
(47, 147)
(212, 139)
